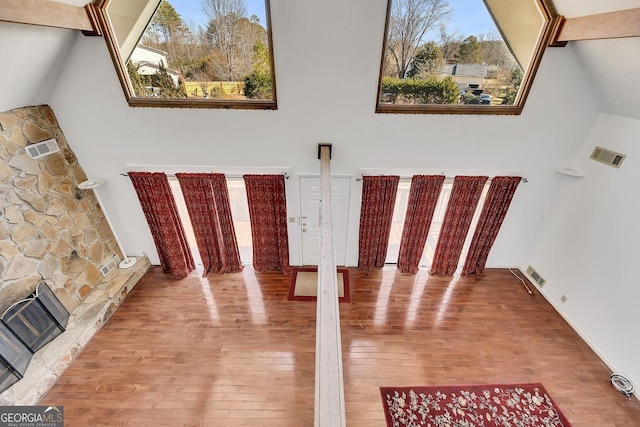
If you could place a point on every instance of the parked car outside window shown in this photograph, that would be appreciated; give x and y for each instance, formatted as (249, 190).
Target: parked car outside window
(485, 98)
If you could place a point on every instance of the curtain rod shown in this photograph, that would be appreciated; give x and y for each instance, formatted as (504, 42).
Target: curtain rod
(445, 177)
(228, 175)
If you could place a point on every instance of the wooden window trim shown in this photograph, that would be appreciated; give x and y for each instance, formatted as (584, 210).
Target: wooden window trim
(134, 101)
(46, 14)
(546, 33)
(619, 24)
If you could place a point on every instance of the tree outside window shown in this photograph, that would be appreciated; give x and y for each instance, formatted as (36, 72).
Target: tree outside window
(224, 58)
(428, 58)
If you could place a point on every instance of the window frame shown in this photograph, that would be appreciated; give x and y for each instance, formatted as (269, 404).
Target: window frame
(549, 28)
(104, 23)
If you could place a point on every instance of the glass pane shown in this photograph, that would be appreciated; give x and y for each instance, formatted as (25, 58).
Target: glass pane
(241, 221)
(397, 221)
(216, 51)
(458, 53)
(183, 213)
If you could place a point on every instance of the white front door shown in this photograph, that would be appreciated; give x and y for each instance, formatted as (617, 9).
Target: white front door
(309, 220)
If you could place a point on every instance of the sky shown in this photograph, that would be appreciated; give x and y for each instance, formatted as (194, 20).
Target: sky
(191, 10)
(470, 17)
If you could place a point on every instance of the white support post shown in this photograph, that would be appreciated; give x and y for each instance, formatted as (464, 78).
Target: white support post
(329, 397)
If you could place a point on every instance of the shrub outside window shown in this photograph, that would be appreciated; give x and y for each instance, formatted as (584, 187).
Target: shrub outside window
(198, 53)
(461, 56)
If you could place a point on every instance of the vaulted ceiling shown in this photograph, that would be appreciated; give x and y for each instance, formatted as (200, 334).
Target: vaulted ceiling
(611, 66)
(33, 57)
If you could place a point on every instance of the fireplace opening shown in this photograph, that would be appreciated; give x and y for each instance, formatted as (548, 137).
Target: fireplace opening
(14, 358)
(37, 319)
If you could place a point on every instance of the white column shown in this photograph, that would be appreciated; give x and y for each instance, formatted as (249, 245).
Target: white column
(329, 401)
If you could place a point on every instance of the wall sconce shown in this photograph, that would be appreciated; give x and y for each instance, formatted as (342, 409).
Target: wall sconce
(93, 184)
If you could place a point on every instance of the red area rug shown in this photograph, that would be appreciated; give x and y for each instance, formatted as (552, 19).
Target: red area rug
(304, 282)
(513, 405)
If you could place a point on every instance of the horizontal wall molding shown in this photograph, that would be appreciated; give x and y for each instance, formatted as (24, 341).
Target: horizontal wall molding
(231, 171)
(408, 173)
(333, 175)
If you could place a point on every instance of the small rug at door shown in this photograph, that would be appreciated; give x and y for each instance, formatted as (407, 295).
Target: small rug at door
(492, 405)
(304, 284)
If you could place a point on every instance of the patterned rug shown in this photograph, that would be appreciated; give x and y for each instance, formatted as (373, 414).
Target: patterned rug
(513, 405)
(304, 284)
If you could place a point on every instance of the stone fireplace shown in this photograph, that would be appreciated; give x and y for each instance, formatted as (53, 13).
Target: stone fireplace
(45, 231)
(50, 231)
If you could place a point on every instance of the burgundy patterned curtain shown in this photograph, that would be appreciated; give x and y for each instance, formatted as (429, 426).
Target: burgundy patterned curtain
(207, 201)
(161, 213)
(225, 221)
(465, 194)
(494, 210)
(376, 213)
(423, 198)
(268, 216)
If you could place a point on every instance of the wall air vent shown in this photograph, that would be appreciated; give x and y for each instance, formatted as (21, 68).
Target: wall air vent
(110, 265)
(43, 148)
(535, 276)
(607, 157)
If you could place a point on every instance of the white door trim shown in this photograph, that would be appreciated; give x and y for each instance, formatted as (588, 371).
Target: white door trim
(345, 225)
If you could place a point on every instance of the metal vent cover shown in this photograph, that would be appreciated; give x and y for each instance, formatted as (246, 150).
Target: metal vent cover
(535, 276)
(110, 265)
(43, 148)
(607, 157)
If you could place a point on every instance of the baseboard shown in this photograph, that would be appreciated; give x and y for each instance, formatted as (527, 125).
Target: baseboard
(577, 330)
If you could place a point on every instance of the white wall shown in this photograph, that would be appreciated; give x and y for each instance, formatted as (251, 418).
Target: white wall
(32, 58)
(613, 73)
(327, 60)
(587, 248)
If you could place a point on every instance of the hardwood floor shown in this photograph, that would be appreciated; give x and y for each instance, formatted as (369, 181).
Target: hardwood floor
(231, 350)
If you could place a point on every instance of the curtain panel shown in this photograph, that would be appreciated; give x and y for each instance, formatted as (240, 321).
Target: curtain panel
(268, 215)
(160, 211)
(376, 213)
(423, 198)
(465, 194)
(494, 210)
(207, 200)
(225, 221)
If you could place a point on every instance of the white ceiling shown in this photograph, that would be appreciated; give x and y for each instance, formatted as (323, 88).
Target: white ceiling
(613, 69)
(611, 66)
(574, 8)
(81, 3)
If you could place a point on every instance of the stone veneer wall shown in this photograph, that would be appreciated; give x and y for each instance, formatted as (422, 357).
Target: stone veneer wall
(48, 229)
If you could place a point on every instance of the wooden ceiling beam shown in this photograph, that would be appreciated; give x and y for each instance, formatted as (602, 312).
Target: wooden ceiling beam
(48, 14)
(624, 23)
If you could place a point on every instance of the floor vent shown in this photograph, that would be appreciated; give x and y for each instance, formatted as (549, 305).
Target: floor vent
(607, 157)
(535, 276)
(110, 265)
(42, 149)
